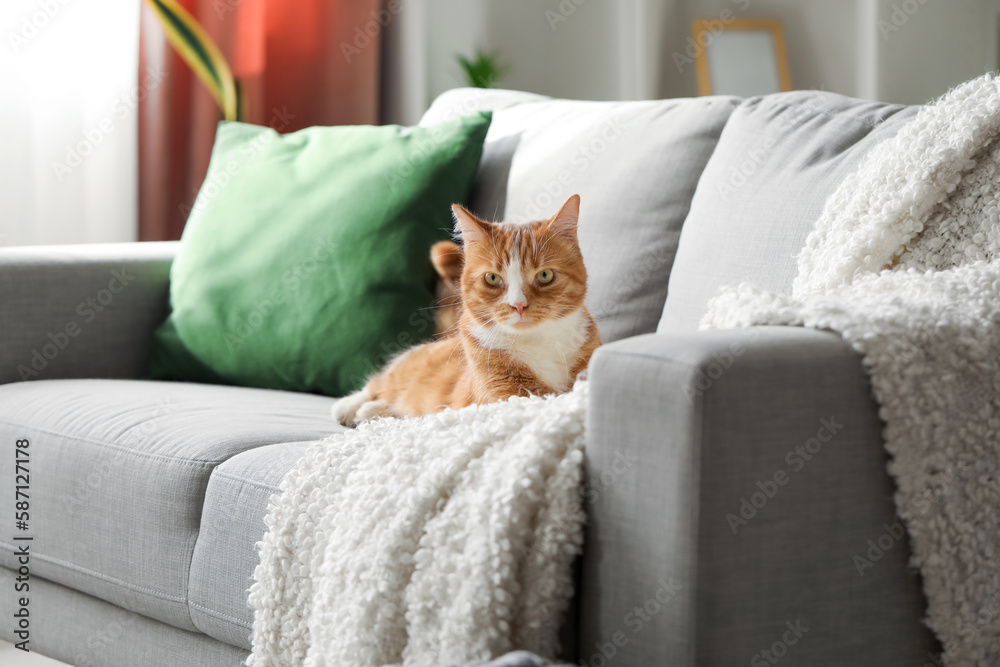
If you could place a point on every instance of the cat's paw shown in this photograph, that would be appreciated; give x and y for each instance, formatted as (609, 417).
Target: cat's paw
(345, 410)
(373, 410)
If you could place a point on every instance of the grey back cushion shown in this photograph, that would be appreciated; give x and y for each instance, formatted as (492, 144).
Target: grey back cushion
(778, 160)
(635, 166)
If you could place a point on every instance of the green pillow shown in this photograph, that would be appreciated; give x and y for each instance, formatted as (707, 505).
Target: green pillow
(305, 262)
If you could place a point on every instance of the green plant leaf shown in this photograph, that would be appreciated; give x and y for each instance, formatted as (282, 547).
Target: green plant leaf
(484, 70)
(201, 54)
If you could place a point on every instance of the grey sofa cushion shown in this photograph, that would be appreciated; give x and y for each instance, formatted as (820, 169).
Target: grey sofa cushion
(118, 476)
(778, 160)
(232, 523)
(81, 630)
(635, 166)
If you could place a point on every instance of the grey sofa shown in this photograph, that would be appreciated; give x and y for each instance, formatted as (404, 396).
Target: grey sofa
(735, 478)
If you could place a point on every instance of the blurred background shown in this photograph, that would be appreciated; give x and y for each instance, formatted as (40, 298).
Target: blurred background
(105, 132)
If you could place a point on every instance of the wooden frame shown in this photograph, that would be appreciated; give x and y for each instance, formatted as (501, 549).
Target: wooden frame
(702, 28)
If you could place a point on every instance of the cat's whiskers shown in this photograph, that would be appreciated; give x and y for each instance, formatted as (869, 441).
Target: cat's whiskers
(444, 334)
(545, 261)
(455, 348)
(439, 304)
(556, 308)
(548, 238)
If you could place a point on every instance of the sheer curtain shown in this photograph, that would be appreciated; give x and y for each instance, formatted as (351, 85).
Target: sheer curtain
(68, 112)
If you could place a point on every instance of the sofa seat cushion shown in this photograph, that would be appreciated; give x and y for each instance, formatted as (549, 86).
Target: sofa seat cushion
(778, 160)
(635, 166)
(232, 523)
(118, 471)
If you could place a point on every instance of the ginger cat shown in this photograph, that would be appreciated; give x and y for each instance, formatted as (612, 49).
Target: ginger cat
(522, 328)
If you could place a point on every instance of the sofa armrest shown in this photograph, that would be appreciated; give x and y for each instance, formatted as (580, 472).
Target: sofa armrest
(81, 311)
(734, 477)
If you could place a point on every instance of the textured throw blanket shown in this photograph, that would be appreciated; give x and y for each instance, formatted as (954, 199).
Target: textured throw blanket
(439, 540)
(904, 264)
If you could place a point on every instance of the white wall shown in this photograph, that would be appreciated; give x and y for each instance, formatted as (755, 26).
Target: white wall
(623, 49)
(927, 46)
(574, 51)
(569, 52)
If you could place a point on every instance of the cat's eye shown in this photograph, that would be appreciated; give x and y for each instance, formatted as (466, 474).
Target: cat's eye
(545, 276)
(492, 279)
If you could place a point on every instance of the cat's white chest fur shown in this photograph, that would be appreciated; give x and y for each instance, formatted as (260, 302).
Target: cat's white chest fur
(549, 349)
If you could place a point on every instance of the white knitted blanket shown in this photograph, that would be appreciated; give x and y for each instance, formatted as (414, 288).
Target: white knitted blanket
(905, 264)
(439, 540)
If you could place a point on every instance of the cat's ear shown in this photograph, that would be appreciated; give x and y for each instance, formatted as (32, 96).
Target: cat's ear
(469, 227)
(447, 259)
(564, 222)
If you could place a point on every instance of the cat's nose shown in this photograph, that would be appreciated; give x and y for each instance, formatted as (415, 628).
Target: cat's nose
(519, 307)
